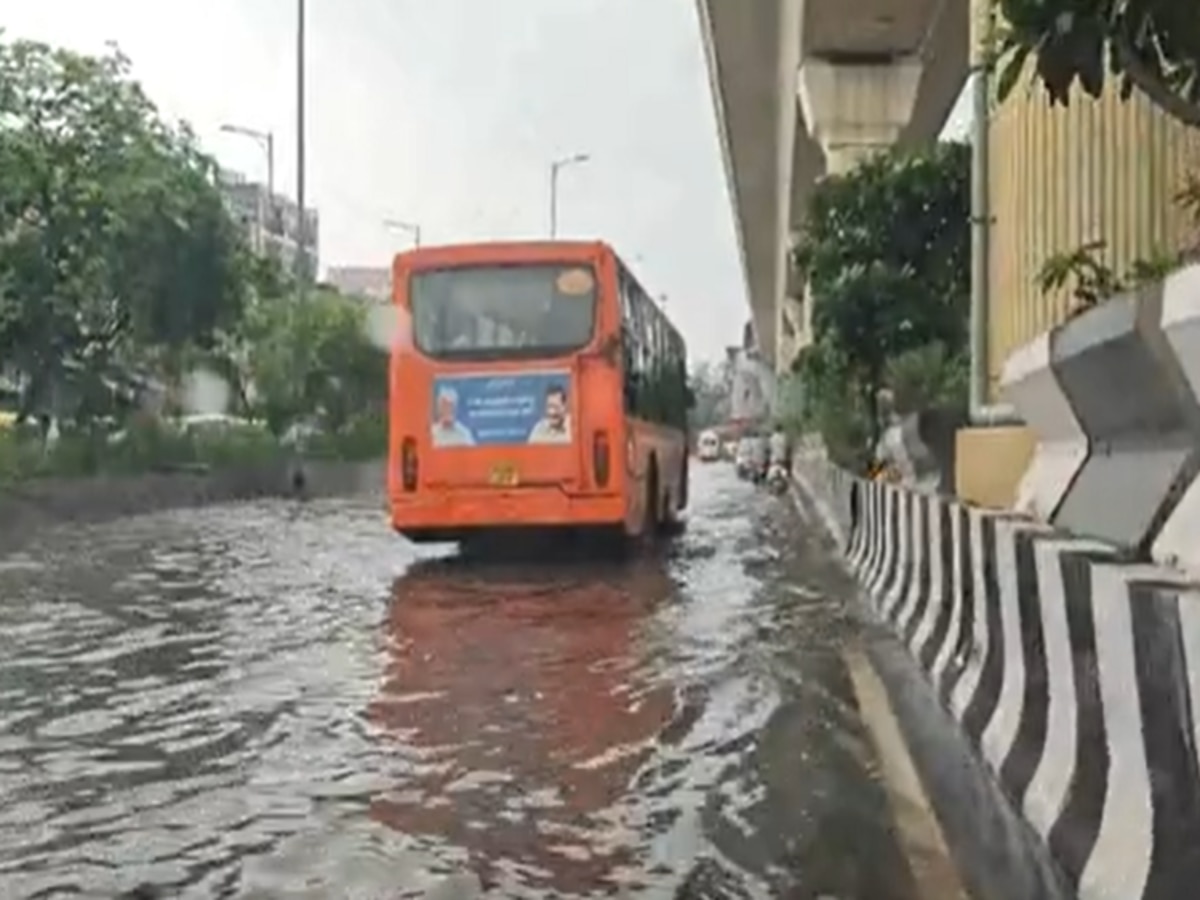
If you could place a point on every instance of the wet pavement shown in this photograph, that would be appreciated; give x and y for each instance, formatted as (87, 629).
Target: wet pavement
(283, 699)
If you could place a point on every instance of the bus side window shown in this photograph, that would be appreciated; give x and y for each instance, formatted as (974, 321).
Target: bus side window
(682, 401)
(643, 385)
(635, 342)
(658, 369)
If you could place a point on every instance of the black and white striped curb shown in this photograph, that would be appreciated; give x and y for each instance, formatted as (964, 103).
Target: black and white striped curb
(1076, 677)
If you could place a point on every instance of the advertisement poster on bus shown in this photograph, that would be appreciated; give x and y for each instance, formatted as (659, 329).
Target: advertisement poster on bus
(501, 409)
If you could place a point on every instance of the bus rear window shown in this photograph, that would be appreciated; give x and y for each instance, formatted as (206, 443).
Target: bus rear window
(502, 312)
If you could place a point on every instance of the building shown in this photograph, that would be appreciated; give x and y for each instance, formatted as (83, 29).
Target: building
(751, 380)
(373, 282)
(272, 224)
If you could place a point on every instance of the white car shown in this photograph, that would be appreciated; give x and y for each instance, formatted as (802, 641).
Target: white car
(708, 447)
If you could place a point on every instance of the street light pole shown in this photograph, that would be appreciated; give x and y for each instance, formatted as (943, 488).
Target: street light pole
(266, 140)
(409, 227)
(270, 142)
(555, 167)
(302, 230)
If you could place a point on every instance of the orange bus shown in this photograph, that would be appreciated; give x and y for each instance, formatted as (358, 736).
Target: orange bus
(533, 385)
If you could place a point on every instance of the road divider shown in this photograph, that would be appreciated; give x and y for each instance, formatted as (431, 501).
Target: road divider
(1074, 675)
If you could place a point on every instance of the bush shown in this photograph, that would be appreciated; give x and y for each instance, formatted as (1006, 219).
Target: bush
(928, 378)
(150, 445)
(364, 438)
(145, 446)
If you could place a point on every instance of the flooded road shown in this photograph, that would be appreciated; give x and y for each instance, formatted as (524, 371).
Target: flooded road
(278, 700)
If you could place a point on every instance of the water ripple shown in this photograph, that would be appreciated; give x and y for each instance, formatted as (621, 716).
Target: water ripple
(275, 700)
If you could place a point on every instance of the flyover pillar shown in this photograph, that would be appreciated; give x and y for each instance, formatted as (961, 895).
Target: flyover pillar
(857, 107)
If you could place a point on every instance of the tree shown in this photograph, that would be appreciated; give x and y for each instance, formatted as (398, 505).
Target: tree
(312, 357)
(1152, 46)
(710, 387)
(113, 235)
(886, 251)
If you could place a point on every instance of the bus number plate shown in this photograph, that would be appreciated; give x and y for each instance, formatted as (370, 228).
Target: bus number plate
(504, 475)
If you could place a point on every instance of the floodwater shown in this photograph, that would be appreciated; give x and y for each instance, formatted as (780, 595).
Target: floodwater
(286, 700)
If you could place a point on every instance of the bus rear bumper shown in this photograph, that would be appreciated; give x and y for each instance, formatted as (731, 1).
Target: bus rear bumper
(451, 516)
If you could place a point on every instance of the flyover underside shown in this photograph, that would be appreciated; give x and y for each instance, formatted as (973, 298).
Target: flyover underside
(944, 58)
(771, 157)
(743, 44)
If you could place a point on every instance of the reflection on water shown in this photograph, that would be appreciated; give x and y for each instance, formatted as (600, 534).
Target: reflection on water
(521, 703)
(283, 701)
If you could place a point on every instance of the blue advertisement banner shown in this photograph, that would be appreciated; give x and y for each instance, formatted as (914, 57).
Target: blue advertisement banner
(495, 410)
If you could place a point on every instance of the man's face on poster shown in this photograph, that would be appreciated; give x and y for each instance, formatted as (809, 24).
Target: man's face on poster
(446, 410)
(556, 408)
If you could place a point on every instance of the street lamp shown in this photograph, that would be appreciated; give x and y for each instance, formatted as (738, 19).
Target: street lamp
(407, 227)
(302, 231)
(554, 169)
(266, 140)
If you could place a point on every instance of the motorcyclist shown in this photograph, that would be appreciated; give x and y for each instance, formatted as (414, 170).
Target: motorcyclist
(779, 455)
(778, 467)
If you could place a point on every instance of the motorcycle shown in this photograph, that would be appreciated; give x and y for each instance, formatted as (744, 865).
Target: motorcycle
(777, 479)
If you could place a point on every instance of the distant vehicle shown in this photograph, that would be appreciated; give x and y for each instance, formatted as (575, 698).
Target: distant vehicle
(533, 385)
(777, 478)
(708, 446)
(751, 459)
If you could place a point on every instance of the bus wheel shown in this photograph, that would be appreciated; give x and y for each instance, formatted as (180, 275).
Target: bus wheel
(652, 514)
(671, 524)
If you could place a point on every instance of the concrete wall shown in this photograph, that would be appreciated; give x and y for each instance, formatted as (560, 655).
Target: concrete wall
(752, 391)
(989, 464)
(1060, 178)
(30, 507)
(1075, 677)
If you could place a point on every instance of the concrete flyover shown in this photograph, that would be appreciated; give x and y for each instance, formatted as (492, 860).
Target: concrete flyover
(802, 87)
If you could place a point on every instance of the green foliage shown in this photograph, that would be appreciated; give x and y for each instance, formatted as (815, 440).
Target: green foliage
(112, 232)
(710, 387)
(834, 405)
(312, 357)
(121, 266)
(147, 445)
(928, 377)
(790, 403)
(1091, 280)
(886, 251)
(1152, 46)
(363, 438)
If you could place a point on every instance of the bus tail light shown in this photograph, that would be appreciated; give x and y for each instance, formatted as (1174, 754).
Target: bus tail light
(408, 464)
(601, 458)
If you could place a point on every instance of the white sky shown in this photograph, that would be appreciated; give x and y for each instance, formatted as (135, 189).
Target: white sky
(447, 113)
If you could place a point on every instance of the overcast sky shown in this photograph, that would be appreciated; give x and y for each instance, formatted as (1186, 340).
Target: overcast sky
(448, 113)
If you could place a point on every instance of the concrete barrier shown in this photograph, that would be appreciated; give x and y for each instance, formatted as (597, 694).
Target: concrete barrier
(1075, 676)
(831, 488)
(1125, 389)
(1029, 384)
(1178, 542)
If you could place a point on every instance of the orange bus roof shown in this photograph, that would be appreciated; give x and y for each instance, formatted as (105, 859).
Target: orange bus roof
(498, 251)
